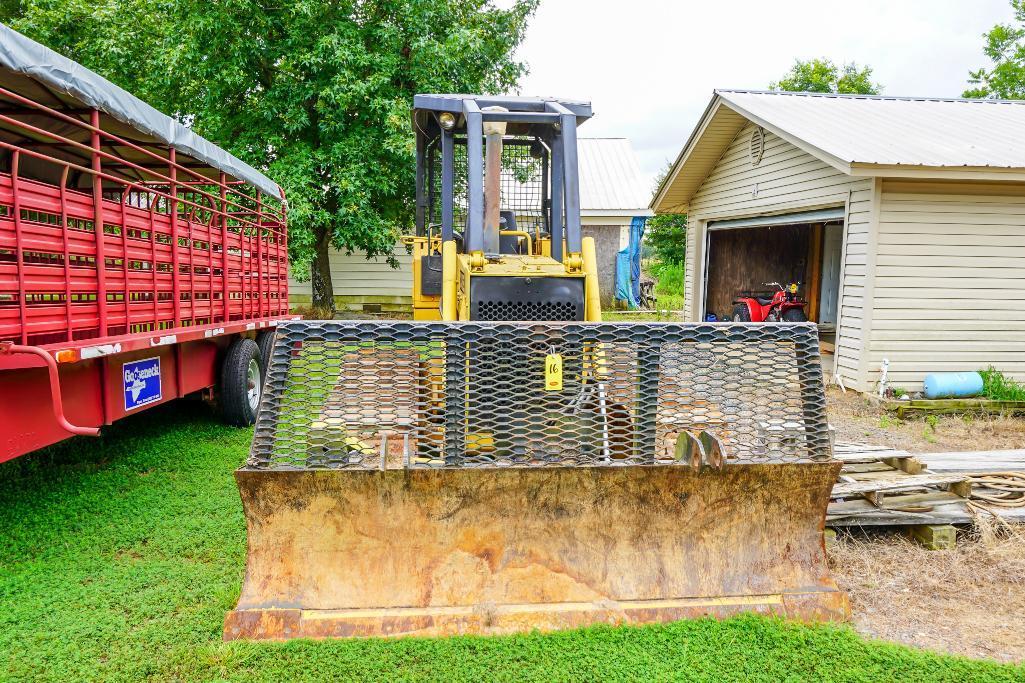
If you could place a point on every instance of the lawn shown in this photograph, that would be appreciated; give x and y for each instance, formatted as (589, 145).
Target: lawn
(121, 555)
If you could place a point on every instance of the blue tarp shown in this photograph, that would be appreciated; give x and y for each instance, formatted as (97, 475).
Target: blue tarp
(624, 292)
(628, 265)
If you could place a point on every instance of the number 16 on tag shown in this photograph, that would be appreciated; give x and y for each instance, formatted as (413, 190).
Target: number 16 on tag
(553, 372)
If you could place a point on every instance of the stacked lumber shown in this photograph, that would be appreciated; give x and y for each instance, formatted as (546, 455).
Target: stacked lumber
(886, 487)
(977, 461)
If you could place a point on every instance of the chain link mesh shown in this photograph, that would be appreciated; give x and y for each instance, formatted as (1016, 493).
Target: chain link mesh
(375, 395)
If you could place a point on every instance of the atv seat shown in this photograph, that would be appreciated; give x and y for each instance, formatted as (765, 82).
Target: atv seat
(744, 296)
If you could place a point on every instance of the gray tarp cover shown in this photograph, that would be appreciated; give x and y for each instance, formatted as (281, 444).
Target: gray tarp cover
(25, 56)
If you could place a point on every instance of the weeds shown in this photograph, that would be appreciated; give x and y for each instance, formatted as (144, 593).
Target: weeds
(997, 387)
(931, 423)
(669, 284)
(886, 421)
(313, 312)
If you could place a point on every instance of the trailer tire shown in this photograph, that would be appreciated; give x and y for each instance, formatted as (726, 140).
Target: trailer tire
(265, 340)
(241, 383)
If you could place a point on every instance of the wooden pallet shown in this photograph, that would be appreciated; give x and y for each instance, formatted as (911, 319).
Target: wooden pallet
(881, 486)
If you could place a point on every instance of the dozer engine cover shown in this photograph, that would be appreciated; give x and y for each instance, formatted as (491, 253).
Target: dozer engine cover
(425, 478)
(519, 298)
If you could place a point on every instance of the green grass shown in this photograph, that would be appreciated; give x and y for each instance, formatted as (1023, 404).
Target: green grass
(997, 387)
(119, 557)
(669, 285)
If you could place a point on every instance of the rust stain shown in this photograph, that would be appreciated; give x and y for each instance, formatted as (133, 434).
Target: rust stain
(422, 540)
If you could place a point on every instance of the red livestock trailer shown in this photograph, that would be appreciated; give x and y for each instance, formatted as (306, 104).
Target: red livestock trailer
(138, 261)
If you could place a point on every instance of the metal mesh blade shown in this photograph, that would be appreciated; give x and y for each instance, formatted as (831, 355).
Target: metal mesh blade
(370, 395)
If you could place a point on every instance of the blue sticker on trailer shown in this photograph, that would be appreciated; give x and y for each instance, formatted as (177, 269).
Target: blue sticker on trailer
(142, 382)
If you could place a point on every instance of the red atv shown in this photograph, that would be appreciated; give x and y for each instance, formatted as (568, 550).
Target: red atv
(783, 305)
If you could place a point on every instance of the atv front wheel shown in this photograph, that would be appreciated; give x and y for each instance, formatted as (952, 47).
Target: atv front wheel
(794, 315)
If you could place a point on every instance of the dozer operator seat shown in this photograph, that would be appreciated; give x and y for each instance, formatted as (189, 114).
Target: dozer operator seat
(509, 243)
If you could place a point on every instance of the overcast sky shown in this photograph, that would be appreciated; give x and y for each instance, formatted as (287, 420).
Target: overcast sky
(649, 67)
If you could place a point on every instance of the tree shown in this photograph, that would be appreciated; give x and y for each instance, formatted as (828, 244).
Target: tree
(822, 75)
(1005, 47)
(666, 233)
(317, 93)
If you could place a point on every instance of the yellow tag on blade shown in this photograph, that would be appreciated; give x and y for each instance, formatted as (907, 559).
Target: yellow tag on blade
(553, 372)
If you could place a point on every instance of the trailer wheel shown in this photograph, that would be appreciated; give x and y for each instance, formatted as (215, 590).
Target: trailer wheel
(241, 383)
(265, 340)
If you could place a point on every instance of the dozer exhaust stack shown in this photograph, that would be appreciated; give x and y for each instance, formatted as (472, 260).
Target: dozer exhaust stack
(493, 132)
(444, 478)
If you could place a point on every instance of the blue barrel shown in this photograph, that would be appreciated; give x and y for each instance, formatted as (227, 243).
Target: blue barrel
(953, 384)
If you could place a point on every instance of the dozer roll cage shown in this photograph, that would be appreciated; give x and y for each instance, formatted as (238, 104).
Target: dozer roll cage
(544, 126)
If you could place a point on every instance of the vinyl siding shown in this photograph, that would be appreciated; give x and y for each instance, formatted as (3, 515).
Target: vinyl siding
(949, 289)
(858, 236)
(788, 179)
(358, 279)
(354, 275)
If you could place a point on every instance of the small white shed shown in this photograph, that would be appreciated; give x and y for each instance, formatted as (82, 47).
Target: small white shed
(906, 216)
(612, 191)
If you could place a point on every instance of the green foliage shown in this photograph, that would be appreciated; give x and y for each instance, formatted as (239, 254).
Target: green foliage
(669, 283)
(997, 387)
(1005, 47)
(122, 554)
(315, 93)
(666, 235)
(822, 75)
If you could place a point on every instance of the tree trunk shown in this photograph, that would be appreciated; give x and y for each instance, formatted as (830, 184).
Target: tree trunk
(320, 275)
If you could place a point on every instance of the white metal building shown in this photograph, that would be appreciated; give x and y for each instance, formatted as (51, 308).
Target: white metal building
(906, 215)
(612, 191)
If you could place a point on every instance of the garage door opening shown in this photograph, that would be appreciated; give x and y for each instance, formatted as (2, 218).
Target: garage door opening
(743, 259)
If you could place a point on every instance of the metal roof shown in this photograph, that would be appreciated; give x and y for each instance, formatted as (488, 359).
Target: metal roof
(895, 131)
(865, 135)
(453, 102)
(611, 182)
(26, 66)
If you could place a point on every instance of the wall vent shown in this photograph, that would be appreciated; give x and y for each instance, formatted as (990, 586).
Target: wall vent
(757, 145)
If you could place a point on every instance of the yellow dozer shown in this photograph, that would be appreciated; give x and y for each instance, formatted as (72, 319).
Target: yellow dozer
(506, 461)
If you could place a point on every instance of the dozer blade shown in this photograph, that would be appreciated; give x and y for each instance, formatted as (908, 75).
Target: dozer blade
(370, 511)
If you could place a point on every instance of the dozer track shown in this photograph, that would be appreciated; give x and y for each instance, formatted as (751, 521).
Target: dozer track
(429, 478)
